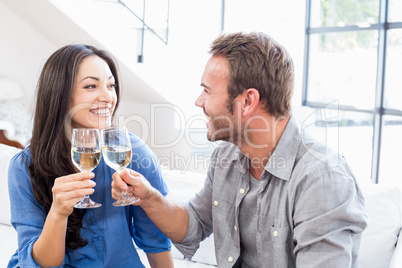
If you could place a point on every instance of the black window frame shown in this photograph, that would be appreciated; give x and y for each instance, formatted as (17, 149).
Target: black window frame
(379, 111)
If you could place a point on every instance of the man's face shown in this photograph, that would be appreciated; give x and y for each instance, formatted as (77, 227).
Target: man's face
(213, 100)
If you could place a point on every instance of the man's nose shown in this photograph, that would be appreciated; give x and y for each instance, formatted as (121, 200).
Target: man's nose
(199, 102)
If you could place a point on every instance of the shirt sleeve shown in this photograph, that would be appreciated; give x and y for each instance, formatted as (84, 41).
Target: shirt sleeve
(199, 210)
(27, 216)
(145, 234)
(329, 218)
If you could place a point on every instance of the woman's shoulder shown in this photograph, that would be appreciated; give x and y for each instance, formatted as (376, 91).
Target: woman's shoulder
(135, 139)
(21, 158)
(18, 175)
(139, 146)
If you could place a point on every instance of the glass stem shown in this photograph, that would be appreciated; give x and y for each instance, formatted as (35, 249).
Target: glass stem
(125, 195)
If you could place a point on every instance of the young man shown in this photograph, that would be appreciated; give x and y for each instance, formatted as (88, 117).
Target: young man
(268, 199)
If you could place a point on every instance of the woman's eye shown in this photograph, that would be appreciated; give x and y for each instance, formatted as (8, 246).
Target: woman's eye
(112, 86)
(90, 86)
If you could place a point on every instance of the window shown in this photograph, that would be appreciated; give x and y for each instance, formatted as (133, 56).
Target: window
(353, 58)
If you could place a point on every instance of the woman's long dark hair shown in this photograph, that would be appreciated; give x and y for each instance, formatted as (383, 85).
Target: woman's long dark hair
(50, 146)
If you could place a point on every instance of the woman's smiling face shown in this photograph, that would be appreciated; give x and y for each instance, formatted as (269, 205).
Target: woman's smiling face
(94, 96)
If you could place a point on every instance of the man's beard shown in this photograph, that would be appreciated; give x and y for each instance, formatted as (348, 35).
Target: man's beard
(224, 128)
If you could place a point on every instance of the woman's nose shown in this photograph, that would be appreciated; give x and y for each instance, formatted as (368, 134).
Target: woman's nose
(105, 95)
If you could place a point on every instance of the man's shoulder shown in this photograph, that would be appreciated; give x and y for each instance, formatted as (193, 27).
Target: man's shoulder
(318, 160)
(224, 157)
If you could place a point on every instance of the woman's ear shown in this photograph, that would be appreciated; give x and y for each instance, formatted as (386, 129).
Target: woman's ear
(250, 101)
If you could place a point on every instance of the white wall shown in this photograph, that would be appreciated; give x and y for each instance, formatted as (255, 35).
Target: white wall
(283, 20)
(31, 31)
(23, 51)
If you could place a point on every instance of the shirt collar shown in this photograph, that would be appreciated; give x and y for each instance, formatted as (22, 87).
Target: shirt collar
(283, 158)
(240, 160)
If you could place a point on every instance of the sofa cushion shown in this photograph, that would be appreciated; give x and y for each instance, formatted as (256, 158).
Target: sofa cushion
(8, 243)
(6, 153)
(383, 204)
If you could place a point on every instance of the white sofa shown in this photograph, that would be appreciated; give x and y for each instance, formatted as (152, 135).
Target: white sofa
(379, 246)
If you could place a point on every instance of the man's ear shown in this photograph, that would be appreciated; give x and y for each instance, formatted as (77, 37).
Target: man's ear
(251, 99)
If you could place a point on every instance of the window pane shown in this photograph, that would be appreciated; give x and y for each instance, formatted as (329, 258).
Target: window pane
(349, 133)
(342, 66)
(391, 146)
(326, 13)
(393, 78)
(395, 11)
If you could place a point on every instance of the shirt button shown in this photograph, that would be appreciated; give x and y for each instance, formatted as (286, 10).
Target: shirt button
(235, 228)
(242, 191)
(230, 259)
(215, 203)
(275, 233)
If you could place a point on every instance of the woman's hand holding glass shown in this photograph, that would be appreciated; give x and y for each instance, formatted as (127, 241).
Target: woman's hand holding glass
(116, 149)
(68, 190)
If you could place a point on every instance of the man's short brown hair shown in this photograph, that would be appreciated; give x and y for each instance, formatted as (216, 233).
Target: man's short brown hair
(257, 61)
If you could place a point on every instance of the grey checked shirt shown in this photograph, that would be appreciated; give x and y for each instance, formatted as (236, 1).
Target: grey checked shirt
(310, 214)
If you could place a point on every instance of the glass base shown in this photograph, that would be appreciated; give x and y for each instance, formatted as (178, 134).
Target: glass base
(125, 201)
(86, 202)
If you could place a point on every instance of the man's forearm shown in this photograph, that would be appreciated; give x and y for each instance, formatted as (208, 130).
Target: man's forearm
(170, 217)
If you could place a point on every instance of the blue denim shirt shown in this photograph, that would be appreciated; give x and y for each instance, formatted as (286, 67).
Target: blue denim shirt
(109, 230)
(311, 212)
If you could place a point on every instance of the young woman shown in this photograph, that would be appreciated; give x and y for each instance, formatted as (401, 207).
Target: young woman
(78, 88)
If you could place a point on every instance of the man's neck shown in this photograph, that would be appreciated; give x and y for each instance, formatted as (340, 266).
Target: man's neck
(260, 143)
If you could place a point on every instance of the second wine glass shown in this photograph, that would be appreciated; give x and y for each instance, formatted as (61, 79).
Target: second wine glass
(116, 149)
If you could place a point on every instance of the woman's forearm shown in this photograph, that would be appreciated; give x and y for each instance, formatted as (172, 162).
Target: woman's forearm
(49, 249)
(160, 260)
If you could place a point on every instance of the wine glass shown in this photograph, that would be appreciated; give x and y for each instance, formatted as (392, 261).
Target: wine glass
(116, 148)
(86, 155)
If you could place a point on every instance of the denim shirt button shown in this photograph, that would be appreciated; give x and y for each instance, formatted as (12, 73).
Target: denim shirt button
(216, 203)
(230, 259)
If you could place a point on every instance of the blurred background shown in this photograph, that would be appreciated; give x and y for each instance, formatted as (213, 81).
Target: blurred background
(347, 53)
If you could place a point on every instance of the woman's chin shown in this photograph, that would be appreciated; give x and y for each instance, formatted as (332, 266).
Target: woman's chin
(102, 122)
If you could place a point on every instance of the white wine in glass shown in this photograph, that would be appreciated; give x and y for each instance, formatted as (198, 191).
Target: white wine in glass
(116, 148)
(86, 155)
(118, 157)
